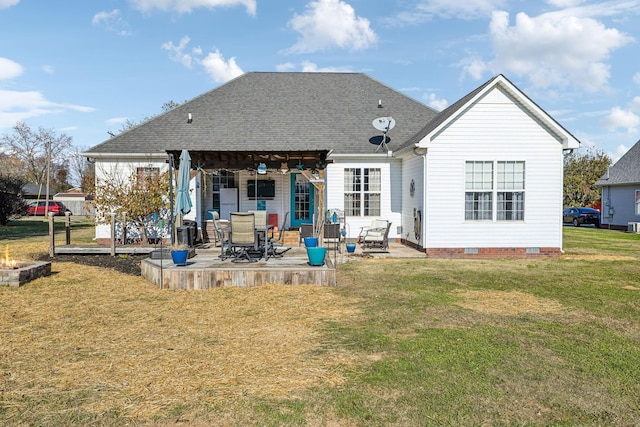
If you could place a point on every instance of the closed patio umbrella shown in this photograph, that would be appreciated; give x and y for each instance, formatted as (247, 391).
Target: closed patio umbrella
(183, 200)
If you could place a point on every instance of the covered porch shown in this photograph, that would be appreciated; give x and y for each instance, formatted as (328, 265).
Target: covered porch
(289, 186)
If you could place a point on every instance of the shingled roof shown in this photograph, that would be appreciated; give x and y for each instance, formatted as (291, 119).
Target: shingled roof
(279, 112)
(625, 171)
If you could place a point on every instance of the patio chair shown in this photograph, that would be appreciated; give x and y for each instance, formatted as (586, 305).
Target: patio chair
(332, 236)
(243, 236)
(274, 243)
(221, 236)
(306, 230)
(375, 236)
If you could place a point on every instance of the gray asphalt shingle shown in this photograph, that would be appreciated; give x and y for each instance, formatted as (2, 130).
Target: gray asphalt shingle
(269, 111)
(626, 170)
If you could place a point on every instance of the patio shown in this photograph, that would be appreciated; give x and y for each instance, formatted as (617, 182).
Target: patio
(205, 270)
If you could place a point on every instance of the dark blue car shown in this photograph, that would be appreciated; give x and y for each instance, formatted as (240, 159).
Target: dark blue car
(579, 216)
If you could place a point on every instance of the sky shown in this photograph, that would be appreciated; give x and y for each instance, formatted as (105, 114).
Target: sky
(83, 68)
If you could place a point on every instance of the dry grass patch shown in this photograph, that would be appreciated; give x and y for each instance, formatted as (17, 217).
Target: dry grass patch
(505, 302)
(125, 346)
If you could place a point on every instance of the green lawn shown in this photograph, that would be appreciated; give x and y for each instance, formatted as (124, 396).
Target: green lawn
(429, 342)
(499, 342)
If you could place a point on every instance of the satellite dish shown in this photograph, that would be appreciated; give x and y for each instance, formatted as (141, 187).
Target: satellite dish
(384, 124)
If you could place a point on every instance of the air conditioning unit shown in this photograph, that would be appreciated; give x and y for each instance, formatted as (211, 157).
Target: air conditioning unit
(633, 227)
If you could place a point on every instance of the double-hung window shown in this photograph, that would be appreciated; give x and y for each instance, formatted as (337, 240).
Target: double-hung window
(478, 197)
(488, 181)
(637, 202)
(362, 190)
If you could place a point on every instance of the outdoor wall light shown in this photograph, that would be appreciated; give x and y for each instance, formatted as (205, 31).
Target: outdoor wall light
(284, 168)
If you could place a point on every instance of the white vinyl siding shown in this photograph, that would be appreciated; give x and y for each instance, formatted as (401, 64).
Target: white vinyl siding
(496, 128)
(390, 194)
(412, 202)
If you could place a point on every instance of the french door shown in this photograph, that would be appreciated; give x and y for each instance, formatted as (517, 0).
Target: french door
(301, 200)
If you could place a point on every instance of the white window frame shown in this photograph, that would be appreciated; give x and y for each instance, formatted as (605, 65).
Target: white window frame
(478, 196)
(494, 190)
(637, 202)
(510, 191)
(362, 191)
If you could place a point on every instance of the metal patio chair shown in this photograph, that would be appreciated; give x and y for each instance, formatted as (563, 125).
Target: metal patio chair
(306, 230)
(375, 236)
(332, 236)
(274, 243)
(243, 236)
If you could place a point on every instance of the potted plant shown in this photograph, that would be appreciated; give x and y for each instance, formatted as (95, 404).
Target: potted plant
(179, 254)
(315, 252)
(316, 255)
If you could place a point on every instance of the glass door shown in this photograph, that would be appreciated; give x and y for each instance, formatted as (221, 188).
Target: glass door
(301, 200)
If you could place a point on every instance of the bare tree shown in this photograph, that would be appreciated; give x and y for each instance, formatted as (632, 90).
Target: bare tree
(81, 171)
(128, 124)
(37, 151)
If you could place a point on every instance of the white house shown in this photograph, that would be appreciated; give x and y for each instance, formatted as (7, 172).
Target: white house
(481, 178)
(621, 193)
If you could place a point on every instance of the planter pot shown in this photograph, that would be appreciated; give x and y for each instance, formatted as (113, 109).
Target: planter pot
(311, 242)
(316, 255)
(180, 256)
(351, 247)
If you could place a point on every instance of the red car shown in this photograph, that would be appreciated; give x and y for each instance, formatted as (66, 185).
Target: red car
(38, 208)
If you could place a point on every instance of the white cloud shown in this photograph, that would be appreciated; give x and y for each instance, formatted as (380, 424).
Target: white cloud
(214, 63)
(186, 6)
(553, 49)
(177, 54)
(4, 4)
(48, 69)
(619, 118)
(636, 78)
(327, 24)
(310, 67)
(287, 66)
(219, 69)
(112, 22)
(16, 106)
(9, 69)
(635, 104)
(435, 102)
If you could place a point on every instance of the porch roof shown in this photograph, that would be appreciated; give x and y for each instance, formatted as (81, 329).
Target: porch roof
(240, 160)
